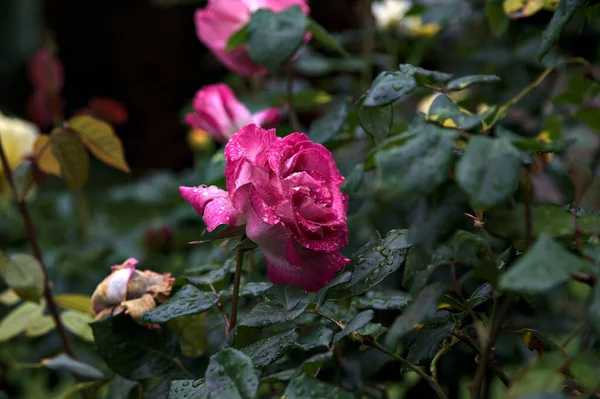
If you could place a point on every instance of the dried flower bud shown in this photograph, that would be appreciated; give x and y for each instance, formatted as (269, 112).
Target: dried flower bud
(131, 290)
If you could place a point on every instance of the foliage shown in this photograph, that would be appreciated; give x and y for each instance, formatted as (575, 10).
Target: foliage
(474, 223)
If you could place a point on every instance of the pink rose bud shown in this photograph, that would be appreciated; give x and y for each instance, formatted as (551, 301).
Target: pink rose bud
(131, 290)
(222, 18)
(287, 193)
(45, 106)
(218, 112)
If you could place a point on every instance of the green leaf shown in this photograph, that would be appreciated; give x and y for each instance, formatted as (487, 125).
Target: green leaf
(19, 319)
(421, 309)
(420, 163)
(377, 121)
(562, 15)
(316, 337)
(189, 300)
(287, 295)
(274, 38)
(547, 219)
(435, 217)
(358, 322)
(389, 87)
(425, 77)
(254, 289)
(594, 309)
(78, 302)
(75, 367)
(238, 39)
(217, 277)
(314, 363)
(496, 17)
(100, 138)
(354, 180)
(370, 265)
(466, 81)
(382, 301)
(430, 338)
(73, 158)
(133, 351)
(591, 117)
(322, 36)
(268, 350)
(544, 266)
(489, 171)
(39, 326)
(443, 108)
(537, 146)
(191, 331)
(230, 374)
(267, 313)
(188, 389)
(78, 323)
(23, 179)
(330, 124)
(305, 387)
(23, 273)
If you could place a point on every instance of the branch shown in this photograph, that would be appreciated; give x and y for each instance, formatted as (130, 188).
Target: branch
(33, 241)
(236, 288)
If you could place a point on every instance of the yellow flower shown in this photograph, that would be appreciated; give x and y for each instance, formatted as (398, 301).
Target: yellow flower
(415, 27)
(17, 138)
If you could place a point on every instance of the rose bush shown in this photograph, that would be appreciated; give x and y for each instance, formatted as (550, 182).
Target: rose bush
(287, 193)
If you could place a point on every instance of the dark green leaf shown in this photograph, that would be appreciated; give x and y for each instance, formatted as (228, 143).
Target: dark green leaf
(489, 171)
(230, 374)
(133, 351)
(382, 301)
(421, 309)
(287, 295)
(269, 312)
(188, 389)
(316, 337)
(311, 365)
(189, 300)
(420, 163)
(594, 309)
(497, 19)
(562, 15)
(466, 81)
(268, 350)
(238, 39)
(78, 369)
(377, 121)
(220, 232)
(23, 179)
(544, 266)
(217, 278)
(354, 180)
(374, 262)
(322, 36)
(254, 289)
(389, 87)
(425, 77)
(430, 338)
(421, 263)
(435, 217)
(359, 321)
(282, 376)
(534, 145)
(371, 330)
(330, 124)
(23, 273)
(305, 387)
(273, 38)
(72, 156)
(591, 117)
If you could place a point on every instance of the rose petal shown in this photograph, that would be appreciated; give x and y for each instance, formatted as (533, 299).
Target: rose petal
(218, 212)
(199, 197)
(267, 118)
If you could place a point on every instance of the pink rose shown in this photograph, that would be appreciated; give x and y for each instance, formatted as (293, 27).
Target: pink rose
(218, 112)
(222, 18)
(287, 192)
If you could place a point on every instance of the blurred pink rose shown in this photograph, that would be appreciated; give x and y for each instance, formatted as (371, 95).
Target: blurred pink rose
(221, 18)
(45, 71)
(218, 112)
(287, 192)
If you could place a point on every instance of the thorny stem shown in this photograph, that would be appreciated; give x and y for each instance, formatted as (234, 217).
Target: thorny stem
(220, 307)
(236, 289)
(290, 98)
(368, 341)
(33, 241)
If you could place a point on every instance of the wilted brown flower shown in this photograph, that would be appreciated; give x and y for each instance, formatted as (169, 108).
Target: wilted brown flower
(131, 290)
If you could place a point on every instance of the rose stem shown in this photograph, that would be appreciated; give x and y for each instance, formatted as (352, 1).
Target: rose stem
(236, 289)
(33, 241)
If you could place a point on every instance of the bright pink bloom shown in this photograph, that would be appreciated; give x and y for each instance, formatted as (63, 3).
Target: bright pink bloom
(218, 112)
(287, 192)
(221, 18)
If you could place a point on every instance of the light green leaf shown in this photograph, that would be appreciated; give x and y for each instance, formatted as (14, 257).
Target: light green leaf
(78, 302)
(19, 319)
(238, 39)
(73, 158)
(78, 323)
(23, 273)
(466, 81)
